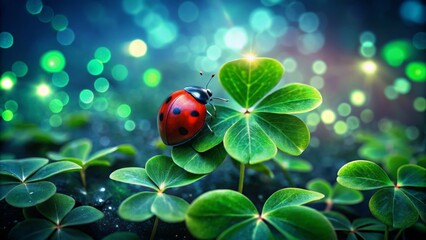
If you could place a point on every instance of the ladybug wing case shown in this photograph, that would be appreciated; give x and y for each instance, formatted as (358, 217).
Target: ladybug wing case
(180, 118)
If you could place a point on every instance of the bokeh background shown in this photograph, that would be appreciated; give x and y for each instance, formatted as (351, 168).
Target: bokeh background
(101, 69)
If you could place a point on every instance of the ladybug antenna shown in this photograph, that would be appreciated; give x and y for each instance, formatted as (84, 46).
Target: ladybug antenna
(201, 73)
(210, 80)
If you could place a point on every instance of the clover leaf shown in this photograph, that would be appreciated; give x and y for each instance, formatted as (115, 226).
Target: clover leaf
(364, 228)
(23, 181)
(78, 151)
(336, 195)
(227, 214)
(59, 215)
(398, 205)
(291, 165)
(159, 174)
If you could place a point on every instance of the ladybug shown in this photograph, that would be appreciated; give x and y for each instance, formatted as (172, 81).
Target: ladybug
(183, 114)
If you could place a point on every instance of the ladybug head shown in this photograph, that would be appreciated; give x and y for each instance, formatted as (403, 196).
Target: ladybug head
(202, 95)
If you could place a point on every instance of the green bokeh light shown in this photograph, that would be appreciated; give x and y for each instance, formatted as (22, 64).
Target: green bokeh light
(402, 86)
(328, 116)
(344, 109)
(8, 80)
(7, 115)
(419, 104)
(352, 122)
(86, 96)
(20, 68)
(319, 67)
(317, 82)
(34, 6)
(412, 133)
(357, 98)
(340, 127)
(129, 125)
(367, 36)
(132, 7)
(100, 104)
(367, 115)
(152, 77)
(60, 79)
(11, 105)
(124, 111)
(56, 105)
(390, 93)
(101, 85)
(59, 22)
(64, 97)
(260, 19)
(103, 54)
(416, 71)
(313, 119)
(367, 49)
(236, 38)
(95, 67)
(53, 61)
(119, 72)
(6, 40)
(55, 120)
(396, 52)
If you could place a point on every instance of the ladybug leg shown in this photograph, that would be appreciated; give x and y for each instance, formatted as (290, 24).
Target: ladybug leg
(211, 116)
(214, 109)
(208, 126)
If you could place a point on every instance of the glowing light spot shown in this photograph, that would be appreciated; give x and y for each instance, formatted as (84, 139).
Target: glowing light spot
(6, 40)
(8, 80)
(260, 19)
(129, 125)
(236, 38)
(319, 67)
(357, 98)
(308, 22)
(64, 97)
(416, 71)
(56, 105)
(59, 22)
(163, 34)
(396, 52)
(419, 104)
(369, 67)
(214, 52)
(60, 79)
(86, 96)
(402, 86)
(132, 7)
(250, 57)
(367, 49)
(103, 54)
(11, 105)
(390, 93)
(119, 72)
(367, 37)
(412, 11)
(290, 65)
(101, 85)
(34, 6)
(328, 116)
(100, 104)
(412, 133)
(313, 119)
(419, 40)
(340, 127)
(152, 77)
(188, 12)
(137, 48)
(367, 115)
(344, 109)
(20, 68)
(352, 122)
(95, 67)
(46, 14)
(7, 115)
(55, 120)
(43, 90)
(124, 111)
(65, 37)
(52, 61)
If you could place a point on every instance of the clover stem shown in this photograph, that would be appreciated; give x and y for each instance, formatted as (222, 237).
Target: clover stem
(399, 233)
(241, 181)
(288, 177)
(329, 205)
(386, 233)
(83, 178)
(154, 229)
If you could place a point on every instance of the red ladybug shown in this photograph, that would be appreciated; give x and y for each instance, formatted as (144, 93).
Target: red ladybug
(183, 114)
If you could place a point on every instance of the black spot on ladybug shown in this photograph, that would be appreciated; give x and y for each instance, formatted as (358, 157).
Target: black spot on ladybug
(183, 131)
(195, 113)
(176, 111)
(168, 99)
(161, 116)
